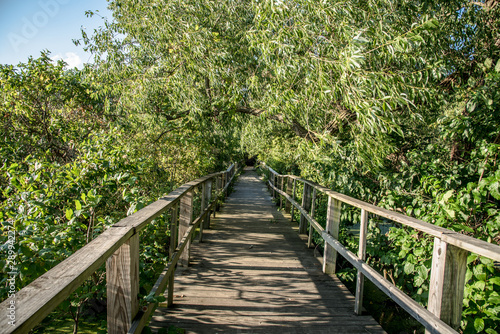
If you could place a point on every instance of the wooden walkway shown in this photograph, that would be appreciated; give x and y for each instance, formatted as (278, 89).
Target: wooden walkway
(254, 274)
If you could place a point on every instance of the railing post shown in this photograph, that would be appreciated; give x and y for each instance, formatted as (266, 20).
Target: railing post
(273, 182)
(289, 186)
(173, 246)
(185, 219)
(282, 184)
(226, 180)
(313, 207)
(218, 187)
(306, 205)
(360, 282)
(122, 275)
(293, 196)
(203, 205)
(332, 227)
(446, 287)
(207, 195)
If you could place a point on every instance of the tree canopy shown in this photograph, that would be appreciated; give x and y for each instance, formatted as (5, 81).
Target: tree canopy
(392, 102)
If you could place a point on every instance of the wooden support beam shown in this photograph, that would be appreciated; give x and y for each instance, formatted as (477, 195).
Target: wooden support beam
(293, 197)
(306, 204)
(281, 178)
(207, 195)
(122, 274)
(289, 191)
(173, 245)
(360, 281)
(185, 219)
(332, 228)
(447, 282)
(311, 229)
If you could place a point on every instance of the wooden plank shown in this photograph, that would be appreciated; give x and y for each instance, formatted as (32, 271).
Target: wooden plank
(332, 228)
(253, 271)
(306, 205)
(35, 301)
(122, 287)
(185, 219)
(141, 218)
(447, 282)
(360, 280)
(468, 243)
(431, 322)
(303, 212)
(166, 278)
(313, 207)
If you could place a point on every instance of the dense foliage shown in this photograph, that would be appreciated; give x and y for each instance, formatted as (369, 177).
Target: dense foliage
(392, 102)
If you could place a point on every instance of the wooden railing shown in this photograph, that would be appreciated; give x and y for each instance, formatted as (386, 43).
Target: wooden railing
(449, 258)
(118, 247)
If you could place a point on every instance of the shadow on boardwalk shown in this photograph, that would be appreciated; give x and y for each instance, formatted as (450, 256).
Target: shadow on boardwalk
(254, 274)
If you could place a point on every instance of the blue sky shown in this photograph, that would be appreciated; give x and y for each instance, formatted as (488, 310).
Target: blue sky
(30, 26)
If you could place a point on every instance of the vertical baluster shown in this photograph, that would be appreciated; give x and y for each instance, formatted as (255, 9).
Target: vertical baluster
(306, 205)
(311, 229)
(360, 281)
(185, 219)
(447, 282)
(173, 246)
(122, 275)
(293, 197)
(332, 227)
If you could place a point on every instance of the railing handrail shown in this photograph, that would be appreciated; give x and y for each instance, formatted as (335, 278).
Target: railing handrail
(35, 301)
(449, 255)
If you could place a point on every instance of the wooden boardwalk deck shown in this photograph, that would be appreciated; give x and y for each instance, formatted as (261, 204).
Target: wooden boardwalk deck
(254, 274)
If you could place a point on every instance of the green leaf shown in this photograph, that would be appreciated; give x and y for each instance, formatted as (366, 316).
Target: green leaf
(479, 324)
(78, 205)
(409, 268)
(447, 195)
(69, 214)
(497, 67)
(494, 189)
(495, 280)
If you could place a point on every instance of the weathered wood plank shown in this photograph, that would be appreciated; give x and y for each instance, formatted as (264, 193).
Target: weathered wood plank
(446, 287)
(122, 287)
(35, 301)
(333, 228)
(360, 280)
(185, 219)
(289, 191)
(208, 198)
(431, 322)
(306, 205)
(173, 246)
(252, 265)
(470, 244)
(313, 208)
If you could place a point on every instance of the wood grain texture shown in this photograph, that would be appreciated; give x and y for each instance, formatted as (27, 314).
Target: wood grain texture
(311, 229)
(470, 244)
(431, 322)
(208, 198)
(253, 273)
(446, 287)
(290, 187)
(360, 279)
(306, 205)
(332, 228)
(185, 219)
(42, 296)
(122, 286)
